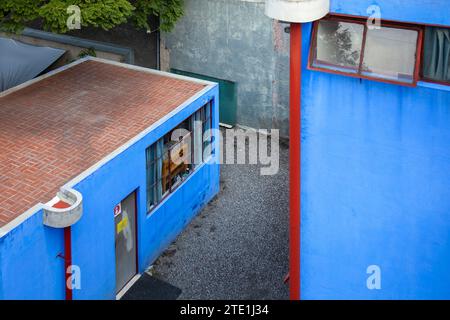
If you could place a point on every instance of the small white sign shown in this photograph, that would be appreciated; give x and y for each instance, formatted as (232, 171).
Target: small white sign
(117, 210)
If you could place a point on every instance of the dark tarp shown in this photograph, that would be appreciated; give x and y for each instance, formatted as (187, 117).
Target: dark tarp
(20, 62)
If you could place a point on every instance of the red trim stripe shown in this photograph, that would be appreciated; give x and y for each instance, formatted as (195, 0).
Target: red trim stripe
(67, 250)
(295, 159)
(68, 260)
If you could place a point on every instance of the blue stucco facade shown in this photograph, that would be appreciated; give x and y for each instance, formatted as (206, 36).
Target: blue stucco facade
(29, 266)
(375, 177)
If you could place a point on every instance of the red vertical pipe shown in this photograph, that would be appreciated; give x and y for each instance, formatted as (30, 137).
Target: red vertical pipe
(67, 252)
(68, 260)
(295, 159)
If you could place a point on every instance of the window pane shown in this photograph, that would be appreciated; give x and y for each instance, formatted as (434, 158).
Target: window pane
(151, 177)
(154, 172)
(390, 54)
(436, 55)
(165, 173)
(207, 132)
(198, 137)
(339, 45)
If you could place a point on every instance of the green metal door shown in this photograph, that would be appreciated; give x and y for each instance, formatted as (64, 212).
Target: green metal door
(227, 93)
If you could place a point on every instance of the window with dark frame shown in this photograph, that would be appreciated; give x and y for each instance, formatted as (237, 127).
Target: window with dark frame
(206, 117)
(338, 45)
(172, 159)
(349, 47)
(436, 55)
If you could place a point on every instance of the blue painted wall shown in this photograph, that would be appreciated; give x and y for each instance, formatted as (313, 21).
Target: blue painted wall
(93, 244)
(28, 262)
(375, 178)
(30, 268)
(420, 11)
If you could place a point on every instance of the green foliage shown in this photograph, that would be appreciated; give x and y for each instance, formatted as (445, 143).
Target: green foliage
(105, 14)
(87, 52)
(15, 13)
(168, 11)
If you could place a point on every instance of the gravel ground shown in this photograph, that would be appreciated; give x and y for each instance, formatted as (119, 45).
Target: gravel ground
(237, 247)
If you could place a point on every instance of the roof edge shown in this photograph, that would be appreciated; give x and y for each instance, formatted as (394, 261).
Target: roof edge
(71, 184)
(151, 71)
(13, 224)
(110, 62)
(44, 76)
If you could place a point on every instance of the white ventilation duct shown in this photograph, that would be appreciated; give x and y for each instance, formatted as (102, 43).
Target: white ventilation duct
(299, 11)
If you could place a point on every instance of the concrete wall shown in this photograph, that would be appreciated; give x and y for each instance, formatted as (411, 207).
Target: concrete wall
(375, 177)
(29, 264)
(233, 40)
(144, 45)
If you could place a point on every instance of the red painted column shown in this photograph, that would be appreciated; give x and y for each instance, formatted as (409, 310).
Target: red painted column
(295, 160)
(68, 259)
(67, 251)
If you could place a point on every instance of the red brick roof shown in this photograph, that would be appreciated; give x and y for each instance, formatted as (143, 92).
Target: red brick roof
(55, 129)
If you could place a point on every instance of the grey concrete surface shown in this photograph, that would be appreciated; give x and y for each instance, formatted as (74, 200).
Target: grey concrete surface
(233, 40)
(237, 247)
(144, 45)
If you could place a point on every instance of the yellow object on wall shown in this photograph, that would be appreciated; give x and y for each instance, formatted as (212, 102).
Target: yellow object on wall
(122, 225)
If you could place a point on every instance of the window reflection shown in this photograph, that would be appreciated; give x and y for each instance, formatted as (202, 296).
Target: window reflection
(339, 45)
(390, 53)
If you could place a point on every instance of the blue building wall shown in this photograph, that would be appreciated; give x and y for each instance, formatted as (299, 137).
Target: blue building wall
(420, 11)
(29, 264)
(28, 255)
(375, 177)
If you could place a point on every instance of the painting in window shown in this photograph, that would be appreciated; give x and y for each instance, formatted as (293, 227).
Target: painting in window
(172, 159)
